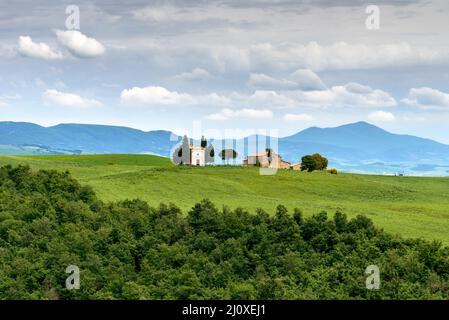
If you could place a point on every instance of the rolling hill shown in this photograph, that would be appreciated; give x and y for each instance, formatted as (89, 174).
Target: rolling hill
(356, 147)
(410, 206)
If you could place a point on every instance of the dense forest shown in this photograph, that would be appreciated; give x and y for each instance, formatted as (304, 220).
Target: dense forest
(129, 250)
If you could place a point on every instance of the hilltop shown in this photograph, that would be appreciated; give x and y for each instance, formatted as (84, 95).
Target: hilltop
(356, 147)
(410, 206)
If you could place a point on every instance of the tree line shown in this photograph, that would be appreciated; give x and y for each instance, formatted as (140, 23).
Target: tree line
(130, 250)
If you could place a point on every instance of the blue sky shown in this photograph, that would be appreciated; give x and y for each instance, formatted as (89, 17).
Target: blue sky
(221, 65)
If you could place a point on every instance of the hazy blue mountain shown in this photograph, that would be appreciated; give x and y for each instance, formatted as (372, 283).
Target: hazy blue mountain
(83, 138)
(371, 140)
(363, 147)
(368, 142)
(359, 147)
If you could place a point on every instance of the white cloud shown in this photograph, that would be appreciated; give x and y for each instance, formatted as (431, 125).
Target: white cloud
(189, 14)
(381, 116)
(80, 45)
(260, 80)
(29, 48)
(54, 97)
(227, 114)
(342, 55)
(154, 96)
(306, 88)
(349, 95)
(307, 80)
(264, 98)
(427, 98)
(160, 96)
(3, 104)
(196, 74)
(301, 79)
(301, 117)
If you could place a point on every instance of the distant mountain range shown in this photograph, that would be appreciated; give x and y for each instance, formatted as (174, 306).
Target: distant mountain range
(84, 138)
(363, 147)
(356, 147)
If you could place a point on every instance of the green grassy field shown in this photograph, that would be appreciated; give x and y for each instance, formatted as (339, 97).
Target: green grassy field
(410, 206)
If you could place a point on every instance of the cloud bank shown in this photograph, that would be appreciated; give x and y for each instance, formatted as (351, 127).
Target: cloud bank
(64, 99)
(80, 45)
(41, 50)
(427, 98)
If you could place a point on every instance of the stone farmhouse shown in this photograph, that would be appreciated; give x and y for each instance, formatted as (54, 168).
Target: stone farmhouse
(267, 159)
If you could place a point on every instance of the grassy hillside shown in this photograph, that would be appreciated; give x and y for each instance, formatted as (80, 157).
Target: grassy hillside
(410, 206)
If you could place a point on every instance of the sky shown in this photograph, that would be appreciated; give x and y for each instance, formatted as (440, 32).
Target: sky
(227, 67)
